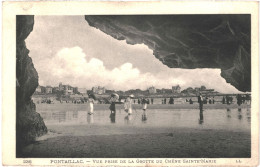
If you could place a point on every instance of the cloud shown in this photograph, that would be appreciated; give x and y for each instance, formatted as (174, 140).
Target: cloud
(71, 66)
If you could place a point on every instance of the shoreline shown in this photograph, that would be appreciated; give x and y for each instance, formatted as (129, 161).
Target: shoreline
(80, 107)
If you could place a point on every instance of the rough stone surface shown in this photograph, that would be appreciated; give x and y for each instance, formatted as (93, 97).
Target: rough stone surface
(29, 123)
(189, 41)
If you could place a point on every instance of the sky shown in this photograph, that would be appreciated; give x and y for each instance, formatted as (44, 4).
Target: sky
(66, 49)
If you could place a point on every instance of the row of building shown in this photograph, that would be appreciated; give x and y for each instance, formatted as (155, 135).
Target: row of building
(175, 89)
(68, 90)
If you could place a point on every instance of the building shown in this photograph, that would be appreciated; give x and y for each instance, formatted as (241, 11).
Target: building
(176, 89)
(75, 90)
(61, 86)
(203, 87)
(152, 90)
(167, 91)
(48, 89)
(82, 90)
(67, 89)
(55, 89)
(99, 90)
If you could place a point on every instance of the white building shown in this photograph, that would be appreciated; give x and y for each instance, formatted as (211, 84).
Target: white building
(152, 90)
(82, 90)
(99, 90)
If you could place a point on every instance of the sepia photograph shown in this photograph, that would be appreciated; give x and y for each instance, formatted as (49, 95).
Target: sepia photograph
(133, 86)
(139, 87)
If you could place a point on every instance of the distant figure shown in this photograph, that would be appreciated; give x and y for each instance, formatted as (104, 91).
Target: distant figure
(148, 101)
(223, 100)
(152, 100)
(205, 100)
(134, 101)
(164, 100)
(191, 102)
(243, 99)
(231, 99)
(200, 101)
(239, 99)
(213, 101)
(138, 101)
(112, 107)
(114, 100)
(248, 99)
(90, 105)
(128, 104)
(144, 104)
(171, 101)
(227, 100)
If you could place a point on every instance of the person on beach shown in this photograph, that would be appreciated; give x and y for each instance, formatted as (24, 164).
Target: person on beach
(128, 104)
(200, 101)
(144, 104)
(90, 104)
(227, 99)
(152, 100)
(248, 99)
(114, 100)
(223, 100)
(239, 99)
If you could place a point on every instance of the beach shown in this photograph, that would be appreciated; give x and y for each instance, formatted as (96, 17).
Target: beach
(181, 143)
(171, 131)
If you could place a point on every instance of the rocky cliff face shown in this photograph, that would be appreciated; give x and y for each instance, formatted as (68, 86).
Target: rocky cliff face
(29, 123)
(189, 41)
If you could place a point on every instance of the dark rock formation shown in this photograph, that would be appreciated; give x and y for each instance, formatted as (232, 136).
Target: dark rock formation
(189, 41)
(29, 123)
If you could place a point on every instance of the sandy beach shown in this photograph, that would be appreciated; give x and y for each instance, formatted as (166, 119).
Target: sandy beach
(179, 143)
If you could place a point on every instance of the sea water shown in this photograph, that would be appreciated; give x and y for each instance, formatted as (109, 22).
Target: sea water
(151, 121)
